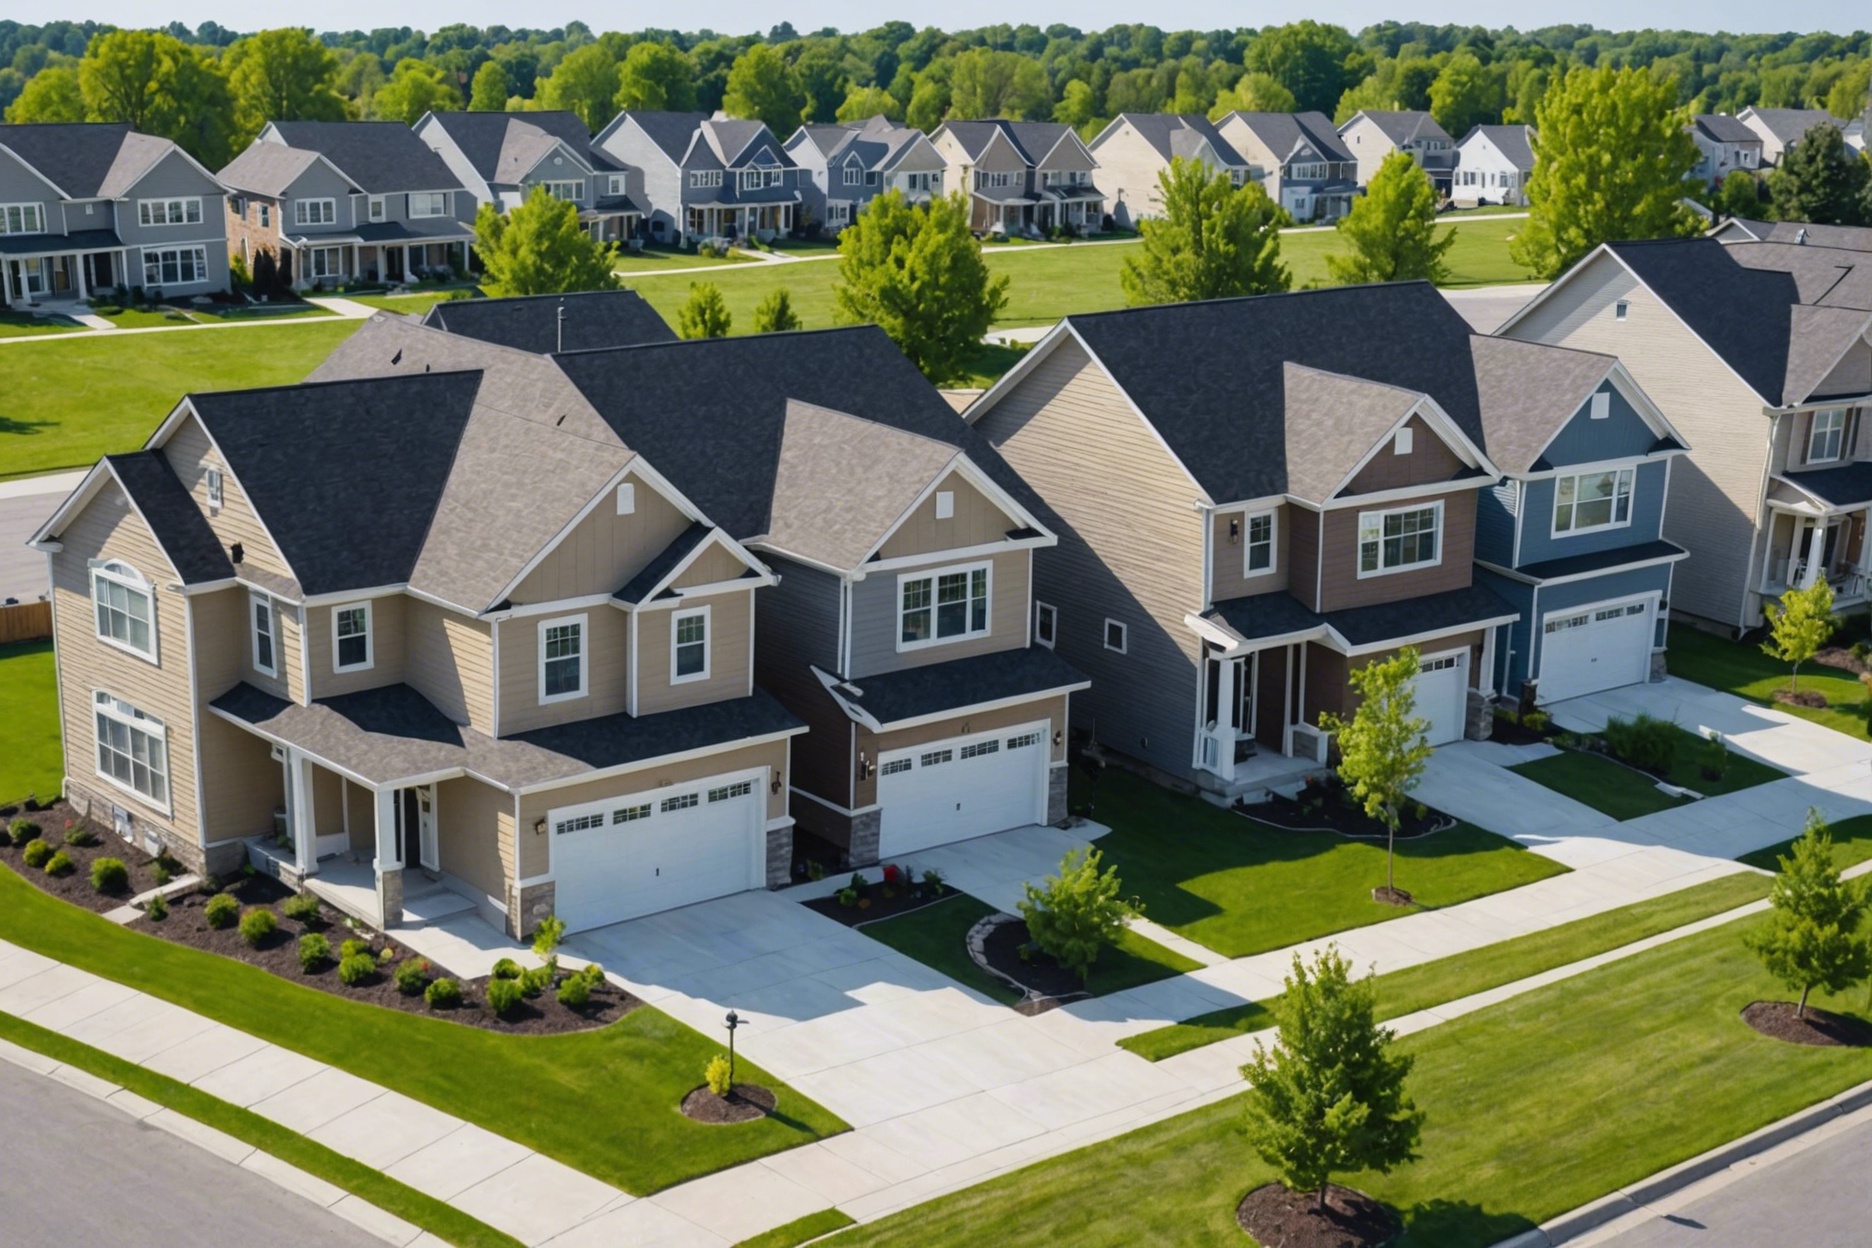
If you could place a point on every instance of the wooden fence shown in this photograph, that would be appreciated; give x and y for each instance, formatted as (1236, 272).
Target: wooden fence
(26, 621)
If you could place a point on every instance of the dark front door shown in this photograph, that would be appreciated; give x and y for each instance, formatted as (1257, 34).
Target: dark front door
(409, 849)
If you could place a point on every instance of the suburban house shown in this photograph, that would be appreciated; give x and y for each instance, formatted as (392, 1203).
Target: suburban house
(1761, 354)
(1781, 128)
(502, 157)
(1022, 177)
(1493, 165)
(1299, 160)
(543, 324)
(703, 177)
(1373, 134)
(347, 201)
(1724, 144)
(845, 167)
(1137, 148)
(1843, 237)
(89, 207)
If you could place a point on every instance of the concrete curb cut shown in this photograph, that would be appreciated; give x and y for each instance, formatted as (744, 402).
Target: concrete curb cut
(1597, 1213)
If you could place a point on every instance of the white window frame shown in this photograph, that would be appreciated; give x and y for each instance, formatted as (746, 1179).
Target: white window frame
(327, 214)
(20, 213)
(217, 490)
(704, 179)
(583, 624)
(1621, 474)
(854, 175)
(134, 584)
(1818, 436)
(614, 184)
(152, 213)
(324, 262)
(255, 603)
(426, 204)
(162, 257)
(571, 190)
(934, 577)
(375, 208)
(1366, 519)
(676, 620)
(1124, 636)
(370, 638)
(266, 215)
(1047, 613)
(106, 706)
(1249, 571)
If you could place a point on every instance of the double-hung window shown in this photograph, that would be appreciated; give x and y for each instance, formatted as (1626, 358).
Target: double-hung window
(1396, 541)
(171, 266)
(949, 604)
(265, 633)
(169, 211)
(571, 192)
(689, 651)
(1827, 438)
(854, 175)
(428, 204)
(562, 662)
(22, 218)
(132, 749)
(704, 179)
(1593, 500)
(126, 611)
(351, 637)
(1046, 623)
(615, 184)
(376, 208)
(315, 212)
(1258, 544)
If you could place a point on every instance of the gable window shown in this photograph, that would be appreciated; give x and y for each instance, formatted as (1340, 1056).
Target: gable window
(1395, 541)
(173, 266)
(1619, 310)
(351, 637)
(1827, 437)
(1593, 500)
(1046, 624)
(376, 208)
(854, 176)
(217, 493)
(126, 615)
(703, 179)
(132, 749)
(756, 179)
(22, 218)
(949, 604)
(169, 211)
(571, 192)
(429, 204)
(945, 504)
(1258, 548)
(314, 212)
(615, 185)
(1601, 406)
(627, 498)
(562, 662)
(260, 610)
(689, 657)
(1117, 636)
(1401, 442)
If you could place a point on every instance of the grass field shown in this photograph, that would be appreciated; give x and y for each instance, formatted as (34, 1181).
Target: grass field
(1852, 844)
(1740, 667)
(1617, 790)
(30, 757)
(25, 325)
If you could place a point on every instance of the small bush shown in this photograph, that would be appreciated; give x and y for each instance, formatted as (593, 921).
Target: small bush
(23, 830)
(60, 864)
(536, 981)
(717, 1074)
(356, 949)
(211, 883)
(36, 853)
(357, 969)
(257, 924)
(933, 880)
(1644, 741)
(1714, 758)
(575, 993)
(507, 968)
(594, 974)
(81, 836)
(109, 875)
(156, 908)
(386, 955)
(848, 897)
(503, 995)
(412, 976)
(314, 951)
(301, 908)
(160, 871)
(221, 911)
(442, 994)
(1536, 721)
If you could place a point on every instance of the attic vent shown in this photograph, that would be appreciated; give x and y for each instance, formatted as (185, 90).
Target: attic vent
(945, 504)
(1601, 405)
(1401, 444)
(398, 357)
(236, 552)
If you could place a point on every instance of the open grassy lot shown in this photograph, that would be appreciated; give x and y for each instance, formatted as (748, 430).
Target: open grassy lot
(1852, 844)
(604, 1102)
(31, 760)
(1463, 974)
(1240, 887)
(1740, 667)
(1533, 1107)
(1614, 789)
(413, 304)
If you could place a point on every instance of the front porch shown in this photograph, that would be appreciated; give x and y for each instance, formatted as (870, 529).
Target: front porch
(762, 221)
(31, 277)
(1807, 544)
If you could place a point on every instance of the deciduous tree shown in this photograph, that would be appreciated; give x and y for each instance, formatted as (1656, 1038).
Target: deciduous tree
(1315, 62)
(763, 87)
(1799, 625)
(775, 314)
(1214, 240)
(539, 249)
(1383, 747)
(489, 91)
(1740, 195)
(1812, 938)
(1467, 93)
(1254, 93)
(705, 313)
(1078, 912)
(863, 103)
(282, 75)
(415, 87)
(584, 82)
(1392, 232)
(656, 76)
(50, 95)
(984, 83)
(1821, 180)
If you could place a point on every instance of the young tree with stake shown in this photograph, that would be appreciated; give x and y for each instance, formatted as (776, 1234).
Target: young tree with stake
(1798, 626)
(1383, 747)
(1812, 938)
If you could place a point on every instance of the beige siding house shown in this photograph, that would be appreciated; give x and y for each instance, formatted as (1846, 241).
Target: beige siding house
(1021, 177)
(1136, 149)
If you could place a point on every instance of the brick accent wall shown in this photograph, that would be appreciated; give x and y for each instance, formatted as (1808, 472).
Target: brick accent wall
(248, 229)
(779, 856)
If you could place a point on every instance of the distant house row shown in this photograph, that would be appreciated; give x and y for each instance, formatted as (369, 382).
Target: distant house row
(1757, 138)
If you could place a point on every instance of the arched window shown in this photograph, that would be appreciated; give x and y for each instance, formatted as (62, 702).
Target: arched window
(126, 608)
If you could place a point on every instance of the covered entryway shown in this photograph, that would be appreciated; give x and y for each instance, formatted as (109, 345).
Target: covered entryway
(1601, 646)
(639, 853)
(961, 787)
(1443, 695)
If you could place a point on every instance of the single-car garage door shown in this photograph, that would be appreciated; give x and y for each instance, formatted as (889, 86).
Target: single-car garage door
(1443, 695)
(960, 787)
(644, 852)
(1586, 649)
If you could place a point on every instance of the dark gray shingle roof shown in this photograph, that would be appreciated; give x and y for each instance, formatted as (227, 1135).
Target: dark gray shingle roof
(178, 523)
(670, 131)
(1283, 132)
(1167, 133)
(1514, 142)
(1401, 125)
(1839, 487)
(1722, 128)
(1280, 615)
(1603, 560)
(941, 687)
(83, 159)
(381, 157)
(593, 320)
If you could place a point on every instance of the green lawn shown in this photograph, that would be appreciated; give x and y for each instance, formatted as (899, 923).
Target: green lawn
(1852, 844)
(414, 304)
(799, 1231)
(1241, 887)
(1740, 667)
(31, 761)
(1614, 789)
(65, 403)
(24, 324)
(936, 936)
(1463, 974)
(604, 1102)
(665, 259)
(435, 1216)
(1533, 1107)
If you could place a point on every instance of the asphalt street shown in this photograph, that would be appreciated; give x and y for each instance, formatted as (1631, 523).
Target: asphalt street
(23, 571)
(82, 1174)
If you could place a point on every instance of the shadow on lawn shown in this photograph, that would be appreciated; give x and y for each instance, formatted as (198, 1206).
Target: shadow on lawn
(1457, 1224)
(10, 424)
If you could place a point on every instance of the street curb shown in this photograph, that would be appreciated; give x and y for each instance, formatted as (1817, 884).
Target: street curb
(1628, 1199)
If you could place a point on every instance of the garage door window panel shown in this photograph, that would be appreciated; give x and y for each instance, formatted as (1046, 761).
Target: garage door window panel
(1401, 540)
(949, 604)
(1591, 501)
(563, 659)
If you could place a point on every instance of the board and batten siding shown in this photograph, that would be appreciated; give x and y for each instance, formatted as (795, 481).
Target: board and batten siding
(1229, 577)
(977, 522)
(1132, 550)
(449, 659)
(1715, 492)
(731, 617)
(1342, 587)
(605, 550)
(607, 670)
(874, 619)
(387, 635)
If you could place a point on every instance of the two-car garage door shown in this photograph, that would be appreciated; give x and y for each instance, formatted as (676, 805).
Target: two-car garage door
(960, 787)
(1601, 646)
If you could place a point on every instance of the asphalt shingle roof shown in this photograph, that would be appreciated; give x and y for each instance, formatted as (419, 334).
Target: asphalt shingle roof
(592, 320)
(381, 157)
(937, 688)
(1840, 487)
(672, 132)
(1603, 560)
(1284, 132)
(1170, 134)
(266, 168)
(504, 147)
(180, 528)
(1514, 142)
(1401, 125)
(1722, 128)
(1281, 615)
(86, 160)
(1839, 237)
(1790, 125)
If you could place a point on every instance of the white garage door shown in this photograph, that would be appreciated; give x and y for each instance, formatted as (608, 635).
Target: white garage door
(1443, 695)
(1586, 649)
(640, 853)
(960, 787)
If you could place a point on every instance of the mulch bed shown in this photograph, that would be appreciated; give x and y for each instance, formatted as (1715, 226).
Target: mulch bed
(75, 886)
(1841, 658)
(1811, 698)
(1513, 732)
(1349, 1219)
(1392, 896)
(874, 905)
(1050, 982)
(1776, 1020)
(1328, 807)
(744, 1103)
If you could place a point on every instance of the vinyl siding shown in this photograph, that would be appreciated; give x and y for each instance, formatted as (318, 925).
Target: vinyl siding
(605, 550)
(731, 616)
(1228, 578)
(976, 522)
(607, 671)
(1573, 594)
(799, 631)
(289, 649)
(468, 833)
(1127, 175)
(1622, 434)
(387, 634)
(1052, 710)
(1429, 461)
(241, 784)
(1539, 542)
(714, 566)
(1342, 586)
(328, 812)
(1304, 567)
(874, 603)
(21, 184)
(191, 453)
(449, 659)
(1495, 522)
(1852, 375)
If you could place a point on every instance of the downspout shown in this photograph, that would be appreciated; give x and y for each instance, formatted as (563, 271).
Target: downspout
(1761, 510)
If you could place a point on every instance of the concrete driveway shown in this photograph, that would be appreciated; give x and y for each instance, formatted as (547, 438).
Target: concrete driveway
(24, 506)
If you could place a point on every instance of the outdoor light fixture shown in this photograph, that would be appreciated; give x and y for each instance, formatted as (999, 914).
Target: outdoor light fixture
(775, 786)
(864, 765)
(1058, 738)
(734, 1021)
(539, 827)
(1234, 531)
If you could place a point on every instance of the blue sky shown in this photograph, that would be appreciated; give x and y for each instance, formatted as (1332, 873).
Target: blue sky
(740, 16)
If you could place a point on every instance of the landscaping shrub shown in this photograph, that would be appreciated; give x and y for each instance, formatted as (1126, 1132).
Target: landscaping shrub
(80, 836)
(1644, 741)
(1714, 763)
(1535, 721)
(160, 870)
(718, 1074)
(848, 897)
(109, 875)
(211, 883)
(221, 911)
(356, 969)
(356, 949)
(60, 864)
(442, 994)
(256, 925)
(23, 830)
(536, 981)
(507, 968)
(594, 974)
(503, 995)
(156, 908)
(575, 993)
(1078, 911)
(412, 976)
(36, 853)
(314, 951)
(933, 880)
(301, 908)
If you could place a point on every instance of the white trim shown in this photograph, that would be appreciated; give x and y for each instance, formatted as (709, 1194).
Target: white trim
(120, 573)
(338, 596)
(300, 202)
(910, 561)
(305, 655)
(583, 623)
(1392, 643)
(1051, 612)
(255, 599)
(1439, 422)
(1358, 554)
(195, 704)
(134, 720)
(607, 773)
(528, 610)
(1556, 533)
(933, 576)
(676, 618)
(1400, 494)
(1124, 636)
(962, 466)
(1273, 542)
(182, 411)
(1516, 574)
(370, 638)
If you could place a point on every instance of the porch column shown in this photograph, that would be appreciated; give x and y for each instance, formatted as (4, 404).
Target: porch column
(84, 291)
(389, 866)
(304, 828)
(1816, 545)
(6, 283)
(1287, 692)
(1487, 683)
(1225, 713)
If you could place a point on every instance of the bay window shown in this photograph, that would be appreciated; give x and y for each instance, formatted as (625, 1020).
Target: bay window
(1396, 541)
(132, 749)
(1593, 500)
(949, 604)
(126, 615)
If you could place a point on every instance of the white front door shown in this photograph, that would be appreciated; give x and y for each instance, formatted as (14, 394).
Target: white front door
(1443, 695)
(1600, 646)
(960, 787)
(431, 858)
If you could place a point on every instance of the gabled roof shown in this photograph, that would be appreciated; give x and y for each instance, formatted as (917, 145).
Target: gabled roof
(1789, 125)
(504, 147)
(1722, 128)
(1284, 133)
(151, 486)
(1176, 134)
(86, 160)
(1399, 125)
(1838, 237)
(1528, 392)
(672, 132)
(540, 324)
(1331, 421)
(379, 157)
(266, 168)
(1033, 140)
(1514, 142)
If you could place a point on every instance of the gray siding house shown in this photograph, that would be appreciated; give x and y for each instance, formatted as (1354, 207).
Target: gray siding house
(502, 157)
(845, 167)
(1136, 148)
(705, 177)
(1022, 177)
(1299, 160)
(1724, 144)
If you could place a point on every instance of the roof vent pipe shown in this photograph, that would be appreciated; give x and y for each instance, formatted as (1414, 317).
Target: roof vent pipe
(1800, 237)
(562, 327)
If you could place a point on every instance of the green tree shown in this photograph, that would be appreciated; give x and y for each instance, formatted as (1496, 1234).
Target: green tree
(1254, 93)
(918, 274)
(539, 249)
(1391, 232)
(704, 314)
(1213, 241)
(282, 75)
(775, 314)
(1328, 1096)
(656, 76)
(1467, 93)
(1799, 625)
(1611, 156)
(52, 94)
(1740, 195)
(824, 76)
(983, 83)
(863, 103)
(203, 108)
(584, 82)
(763, 87)
(1313, 61)
(929, 103)
(415, 87)
(1383, 747)
(123, 76)
(1076, 913)
(1078, 105)
(488, 93)
(1821, 180)
(1812, 939)
(1403, 83)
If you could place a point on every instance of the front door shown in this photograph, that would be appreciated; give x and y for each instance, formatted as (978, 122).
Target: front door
(430, 858)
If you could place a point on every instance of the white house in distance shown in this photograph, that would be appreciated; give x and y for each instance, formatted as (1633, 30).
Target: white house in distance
(1493, 164)
(1782, 128)
(1724, 144)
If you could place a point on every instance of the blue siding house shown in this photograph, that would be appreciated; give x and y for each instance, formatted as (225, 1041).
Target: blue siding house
(1572, 534)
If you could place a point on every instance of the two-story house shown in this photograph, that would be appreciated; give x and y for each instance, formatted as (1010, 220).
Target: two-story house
(1781, 128)
(1724, 144)
(501, 158)
(845, 167)
(86, 208)
(1761, 353)
(705, 177)
(1135, 149)
(1021, 177)
(347, 201)
(1373, 134)
(1493, 165)
(1299, 160)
